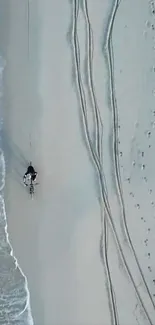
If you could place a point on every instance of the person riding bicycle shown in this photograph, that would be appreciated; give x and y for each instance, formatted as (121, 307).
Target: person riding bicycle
(30, 175)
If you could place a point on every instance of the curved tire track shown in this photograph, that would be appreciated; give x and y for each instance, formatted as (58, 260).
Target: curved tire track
(98, 121)
(115, 147)
(104, 260)
(95, 159)
(98, 146)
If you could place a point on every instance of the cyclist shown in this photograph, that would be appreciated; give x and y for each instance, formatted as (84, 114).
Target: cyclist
(30, 175)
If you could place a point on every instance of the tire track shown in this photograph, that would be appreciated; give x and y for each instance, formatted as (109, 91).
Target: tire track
(98, 121)
(115, 147)
(28, 28)
(98, 146)
(105, 262)
(95, 159)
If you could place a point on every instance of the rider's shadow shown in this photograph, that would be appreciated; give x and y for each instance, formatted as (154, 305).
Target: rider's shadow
(15, 161)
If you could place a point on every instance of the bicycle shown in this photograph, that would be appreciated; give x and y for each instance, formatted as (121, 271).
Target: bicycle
(31, 189)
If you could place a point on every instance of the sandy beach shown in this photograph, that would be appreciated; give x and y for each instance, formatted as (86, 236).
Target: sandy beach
(85, 242)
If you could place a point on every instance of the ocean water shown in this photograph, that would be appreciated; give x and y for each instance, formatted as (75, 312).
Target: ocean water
(14, 293)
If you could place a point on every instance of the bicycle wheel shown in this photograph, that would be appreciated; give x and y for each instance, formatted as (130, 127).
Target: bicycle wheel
(31, 190)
